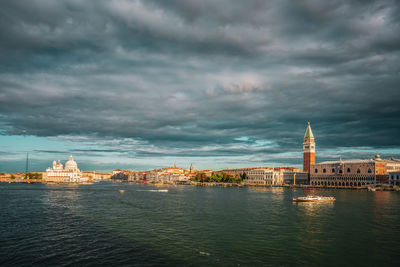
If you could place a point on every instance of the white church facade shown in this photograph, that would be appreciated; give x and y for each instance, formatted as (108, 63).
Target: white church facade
(69, 174)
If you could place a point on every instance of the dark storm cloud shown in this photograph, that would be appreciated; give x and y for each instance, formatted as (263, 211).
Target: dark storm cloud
(190, 78)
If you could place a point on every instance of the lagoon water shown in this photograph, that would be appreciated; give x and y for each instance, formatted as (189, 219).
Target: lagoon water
(91, 225)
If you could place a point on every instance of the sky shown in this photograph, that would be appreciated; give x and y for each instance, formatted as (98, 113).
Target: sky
(145, 84)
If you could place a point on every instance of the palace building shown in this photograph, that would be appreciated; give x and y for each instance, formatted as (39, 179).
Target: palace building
(261, 176)
(347, 173)
(308, 149)
(275, 176)
(71, 173)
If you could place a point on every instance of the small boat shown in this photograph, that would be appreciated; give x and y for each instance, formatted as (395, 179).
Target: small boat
(314, 199)
(159, 190)
(122, 191)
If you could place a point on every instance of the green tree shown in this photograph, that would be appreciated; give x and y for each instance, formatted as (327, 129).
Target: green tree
(200, 177)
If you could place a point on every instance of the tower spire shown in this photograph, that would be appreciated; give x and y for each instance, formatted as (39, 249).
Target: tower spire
(308, 133)
(308, 149)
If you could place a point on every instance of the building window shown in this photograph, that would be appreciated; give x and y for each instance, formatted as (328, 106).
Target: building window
(340, 171)
(369, 170)
(333, 170)
(324, 170)
(348, 169)
(316, 170)
(358, 171)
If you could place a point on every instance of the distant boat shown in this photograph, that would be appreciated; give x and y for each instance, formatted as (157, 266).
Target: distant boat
(86, 183)
(314, 199)
(122, 191)
(159, 190)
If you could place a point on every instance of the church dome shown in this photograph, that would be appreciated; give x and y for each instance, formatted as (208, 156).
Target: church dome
(71, 164)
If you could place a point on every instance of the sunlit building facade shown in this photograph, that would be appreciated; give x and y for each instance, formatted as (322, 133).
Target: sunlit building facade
(266, 176)
(347, 173)
(394, 178)
(258, 176)
(69, 174)
(295, 178)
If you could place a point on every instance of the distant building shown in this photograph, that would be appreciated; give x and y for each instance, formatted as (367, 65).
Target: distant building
(394, 178)
(392, 165)
(96, 176)
(298, 178)
(266, 176)
(120, 176)
(69, 174)
(258, 176)
(206, 172)
(348, 173)
(308, 149)
(169, 175)
(240, 171)
(116, 171)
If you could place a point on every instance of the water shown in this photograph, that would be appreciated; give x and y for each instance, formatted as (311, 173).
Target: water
(64, 225)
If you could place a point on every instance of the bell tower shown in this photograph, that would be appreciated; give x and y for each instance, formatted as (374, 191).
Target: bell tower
(308, 149)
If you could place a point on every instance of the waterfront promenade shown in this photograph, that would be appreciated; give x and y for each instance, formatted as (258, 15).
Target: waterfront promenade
(212, 184)
(19, 180)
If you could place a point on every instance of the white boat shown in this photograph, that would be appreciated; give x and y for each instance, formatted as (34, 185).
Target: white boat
(314, 199)
(159, 190)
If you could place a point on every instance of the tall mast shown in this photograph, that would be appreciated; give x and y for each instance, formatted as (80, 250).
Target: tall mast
(26, 167)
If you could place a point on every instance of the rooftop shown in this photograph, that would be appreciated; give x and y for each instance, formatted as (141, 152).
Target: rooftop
(347, 161)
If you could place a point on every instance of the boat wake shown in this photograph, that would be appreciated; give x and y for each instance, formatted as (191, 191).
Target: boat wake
(155, 190)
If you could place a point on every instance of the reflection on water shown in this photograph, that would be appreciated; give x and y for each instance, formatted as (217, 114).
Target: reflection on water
(313, 208)
(97, 225)
(265, 189)
(65, 196)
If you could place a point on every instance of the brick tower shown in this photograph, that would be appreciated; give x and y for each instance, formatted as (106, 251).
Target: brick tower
(308, 149)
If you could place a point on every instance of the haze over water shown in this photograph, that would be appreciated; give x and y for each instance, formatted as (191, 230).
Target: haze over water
(91, 225)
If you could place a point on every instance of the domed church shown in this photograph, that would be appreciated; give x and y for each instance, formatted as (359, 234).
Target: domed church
(69, 174)
(71, 165)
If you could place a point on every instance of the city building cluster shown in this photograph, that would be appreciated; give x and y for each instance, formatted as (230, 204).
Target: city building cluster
(342, 173)
(169, 175)
(352, 173)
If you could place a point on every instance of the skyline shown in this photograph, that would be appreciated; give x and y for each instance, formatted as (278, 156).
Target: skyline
(146, 84)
